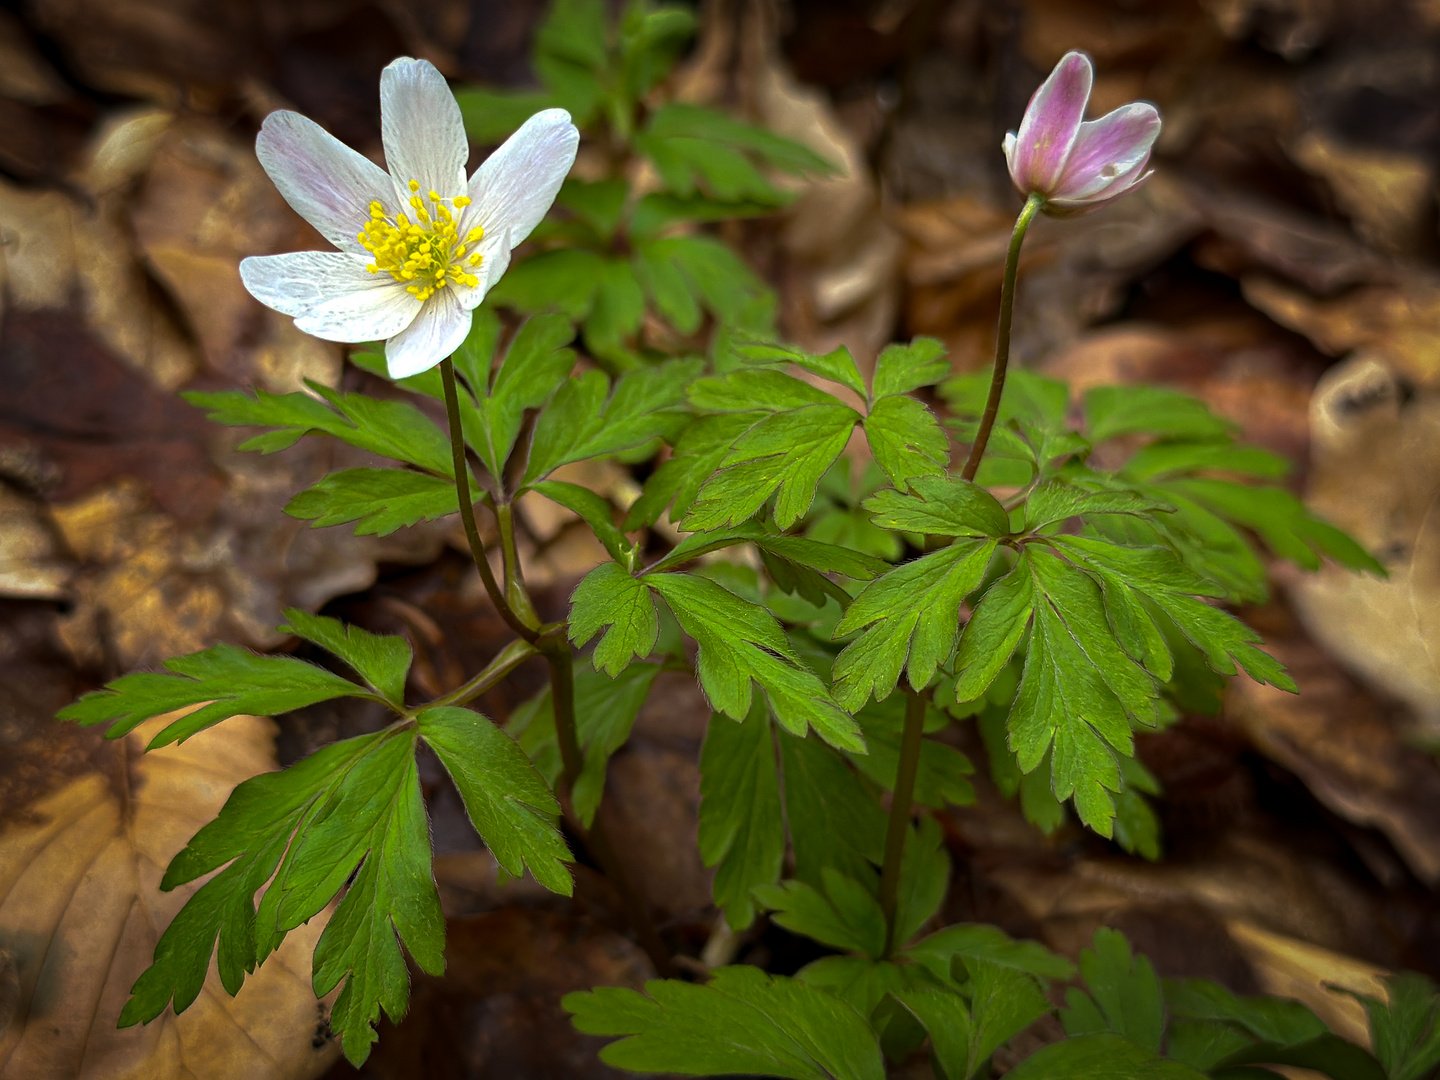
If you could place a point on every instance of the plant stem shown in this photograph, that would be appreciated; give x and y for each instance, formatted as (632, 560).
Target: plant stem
(898, 827)
(467, 508)
(556, 650)
(1002, 336)
(506, 661)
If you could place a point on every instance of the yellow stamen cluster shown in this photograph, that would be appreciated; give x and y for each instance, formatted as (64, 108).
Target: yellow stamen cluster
(429, 251)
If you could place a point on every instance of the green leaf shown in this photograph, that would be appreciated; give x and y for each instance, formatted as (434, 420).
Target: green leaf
(909, 618)
(980, 941)
(1137, 829)
(599, 203)
(710, 273)
(383, 661)
(695, 147)
(924, 878)
(740, 641)
(507, 801)
(233, 681)
(1058, 499)
(943, 506)
(906, 439)
(845, 916)
(941, 772)
(1112, 411)
(378, 500)
(393, 429)
(834, 819)
(491, 116)
(596, 512)
(740, 825)
(535, 366)
(1099, 1057)
(996, 628)
(563, 280)
(393, 897)
(1004, 1001)
(752, 390)
(742, 1022)
(698, 453)
(609, 597)
(783, 455)
(1278, 1021)
(947, 1021)
(618, 310)
(902, 368)
(1160, 460)
(1124, 989)
(251, 834)
(823, 557)
(574, 30)
(584, 421)
(837, 365)
(1405, 1030)
(605, 710)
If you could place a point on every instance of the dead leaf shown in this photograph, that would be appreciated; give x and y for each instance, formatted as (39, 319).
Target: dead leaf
(81, 910)
(1399, 323)
(1387, 194)
(1375, 473)
(31, 562)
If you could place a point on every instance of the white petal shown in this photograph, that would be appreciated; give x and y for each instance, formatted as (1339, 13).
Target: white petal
(436, 333)
(495, 249)
(330, 294)
(515, 186)
(328, 184)
(422, 130)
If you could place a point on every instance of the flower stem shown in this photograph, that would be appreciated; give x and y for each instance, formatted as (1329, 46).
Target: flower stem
(467, 508)
(1002, 335)
(898, 827)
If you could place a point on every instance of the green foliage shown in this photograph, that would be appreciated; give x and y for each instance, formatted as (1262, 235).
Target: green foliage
(231, 681)
(741, 833)
(742, 1021)
(379, 501)
(1405, 1030)
(393, 429)
(609, 599)
(740, 642)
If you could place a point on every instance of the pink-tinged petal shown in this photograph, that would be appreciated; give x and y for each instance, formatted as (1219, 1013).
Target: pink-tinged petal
(1108, 149)
(516, 185)
(422, 130)
(330, 294)
(328, 184)
(1122, 185)
(1051, 123)
(436, 333)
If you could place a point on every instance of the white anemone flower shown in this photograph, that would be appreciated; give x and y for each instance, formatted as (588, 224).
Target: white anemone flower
(419, 247)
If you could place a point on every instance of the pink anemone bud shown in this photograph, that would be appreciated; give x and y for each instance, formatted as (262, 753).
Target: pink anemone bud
(1078, 165)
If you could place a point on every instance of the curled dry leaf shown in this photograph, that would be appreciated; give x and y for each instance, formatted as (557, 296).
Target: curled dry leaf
(1375, 473)
(81, 910)
(1400, 323)
(1386, 194)
(32, 565)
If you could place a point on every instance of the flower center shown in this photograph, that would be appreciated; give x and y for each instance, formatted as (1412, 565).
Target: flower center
(428, 252)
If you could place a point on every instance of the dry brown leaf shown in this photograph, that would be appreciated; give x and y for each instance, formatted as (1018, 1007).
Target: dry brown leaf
(32, 564)
(1386, 194)
(1290, 968)
(81, 910)
(1400, 323)
(1375, 473)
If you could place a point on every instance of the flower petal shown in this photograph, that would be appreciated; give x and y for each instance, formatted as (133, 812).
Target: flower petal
(496, 251)
(1120, 186)
(515, 186)
(1051, 123)
(328, 184)
(422, 130)
(436, 333)
(330, 294)
(1109, 148)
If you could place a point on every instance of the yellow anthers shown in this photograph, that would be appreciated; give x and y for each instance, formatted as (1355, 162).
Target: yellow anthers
(428, 251)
